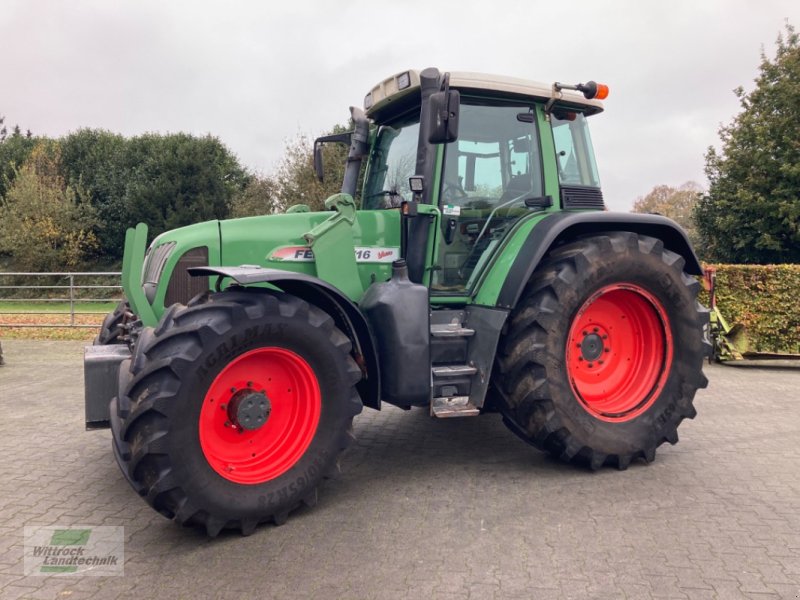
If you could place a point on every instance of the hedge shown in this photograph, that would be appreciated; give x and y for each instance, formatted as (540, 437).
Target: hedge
(766, 300)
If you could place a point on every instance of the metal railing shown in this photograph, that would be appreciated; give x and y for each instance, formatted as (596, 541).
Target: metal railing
(63, 291)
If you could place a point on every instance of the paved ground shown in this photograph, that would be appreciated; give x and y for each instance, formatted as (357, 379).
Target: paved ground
(431, 509)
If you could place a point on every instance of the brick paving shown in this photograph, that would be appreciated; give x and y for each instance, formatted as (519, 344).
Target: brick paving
(431, 509)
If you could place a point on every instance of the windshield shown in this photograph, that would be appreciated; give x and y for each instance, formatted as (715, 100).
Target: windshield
(392, 161)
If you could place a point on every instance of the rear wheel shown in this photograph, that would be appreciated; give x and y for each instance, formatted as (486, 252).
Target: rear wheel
(602, 357)
(233, 410)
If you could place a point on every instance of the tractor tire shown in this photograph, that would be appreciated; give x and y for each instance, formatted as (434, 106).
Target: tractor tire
(233, 409)
(600, 360)
(111, 329)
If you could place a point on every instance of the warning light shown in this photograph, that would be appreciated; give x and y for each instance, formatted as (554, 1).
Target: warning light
(602, 91)
(593, 90)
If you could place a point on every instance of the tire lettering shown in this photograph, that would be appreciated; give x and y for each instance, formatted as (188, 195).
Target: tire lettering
(665, 415)
(299, 485)
(227, 349)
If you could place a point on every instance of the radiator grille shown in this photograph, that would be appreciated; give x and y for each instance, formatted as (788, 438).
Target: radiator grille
(183, 287)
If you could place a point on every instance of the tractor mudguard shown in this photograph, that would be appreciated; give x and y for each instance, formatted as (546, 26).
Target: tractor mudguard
(569, 225)
(315, 291)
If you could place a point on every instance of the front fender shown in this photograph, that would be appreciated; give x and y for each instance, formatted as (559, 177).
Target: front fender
(315, 291)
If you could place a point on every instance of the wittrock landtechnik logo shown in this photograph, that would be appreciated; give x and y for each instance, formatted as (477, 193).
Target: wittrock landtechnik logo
(74, 550)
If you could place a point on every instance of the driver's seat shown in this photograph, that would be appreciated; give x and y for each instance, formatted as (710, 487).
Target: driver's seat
(517, 186)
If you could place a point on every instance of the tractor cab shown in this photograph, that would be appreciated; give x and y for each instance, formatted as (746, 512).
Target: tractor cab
(519, 148)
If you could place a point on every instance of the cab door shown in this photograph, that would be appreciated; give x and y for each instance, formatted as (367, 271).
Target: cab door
(489, 173)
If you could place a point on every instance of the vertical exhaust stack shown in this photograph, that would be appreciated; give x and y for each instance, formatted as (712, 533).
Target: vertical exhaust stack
(359, 146)
(430, 81)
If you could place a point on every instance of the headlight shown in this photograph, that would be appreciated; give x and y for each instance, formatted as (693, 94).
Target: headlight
(403, 80)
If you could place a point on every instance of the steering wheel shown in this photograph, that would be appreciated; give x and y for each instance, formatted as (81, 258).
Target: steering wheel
(453, 191)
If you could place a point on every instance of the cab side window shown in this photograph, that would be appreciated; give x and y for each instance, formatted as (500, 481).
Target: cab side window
(574, 156)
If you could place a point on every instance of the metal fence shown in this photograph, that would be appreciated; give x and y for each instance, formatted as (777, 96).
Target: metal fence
(20, 293)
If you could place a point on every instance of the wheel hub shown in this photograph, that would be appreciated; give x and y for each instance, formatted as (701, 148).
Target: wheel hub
(592, 347)
(249, 409)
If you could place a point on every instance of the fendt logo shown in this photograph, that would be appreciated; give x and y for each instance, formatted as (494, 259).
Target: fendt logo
(363, 254)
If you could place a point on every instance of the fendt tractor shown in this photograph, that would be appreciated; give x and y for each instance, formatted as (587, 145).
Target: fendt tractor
(479, 271)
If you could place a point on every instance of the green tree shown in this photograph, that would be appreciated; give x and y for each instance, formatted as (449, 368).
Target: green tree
(44, 225)
(178, 179)
(751, 213)
(14, 150)
(96, 161)
(296, 179)
(259, 197)
(166, 181)
(677, 203)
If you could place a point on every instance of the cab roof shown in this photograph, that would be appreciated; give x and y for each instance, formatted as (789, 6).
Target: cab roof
(403, 89)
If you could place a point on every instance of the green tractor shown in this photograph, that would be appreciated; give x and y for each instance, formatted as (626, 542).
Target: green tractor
(478, 272)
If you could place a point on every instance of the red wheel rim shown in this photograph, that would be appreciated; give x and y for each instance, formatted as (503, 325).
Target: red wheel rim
(619, 352)
(252, 456)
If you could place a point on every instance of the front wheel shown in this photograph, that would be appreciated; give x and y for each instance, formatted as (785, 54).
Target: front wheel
(233, 410)
(602, 357)
(112, 331)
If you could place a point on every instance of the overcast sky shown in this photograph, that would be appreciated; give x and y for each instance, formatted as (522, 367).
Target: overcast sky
(257, 73)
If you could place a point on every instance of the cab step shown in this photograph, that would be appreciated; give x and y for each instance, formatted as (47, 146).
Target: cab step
(453, 406)
(451, 330)
(453, 371)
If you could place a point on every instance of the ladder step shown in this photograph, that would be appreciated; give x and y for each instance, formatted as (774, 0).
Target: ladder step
(453, 371)
(453, 406)
(451, 330)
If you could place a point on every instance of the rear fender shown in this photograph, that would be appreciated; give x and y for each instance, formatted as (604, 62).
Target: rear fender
(344, 312)
(565, 226)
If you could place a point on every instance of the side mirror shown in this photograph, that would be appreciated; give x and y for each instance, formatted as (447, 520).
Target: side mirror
(339, 138)
(442, 117)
